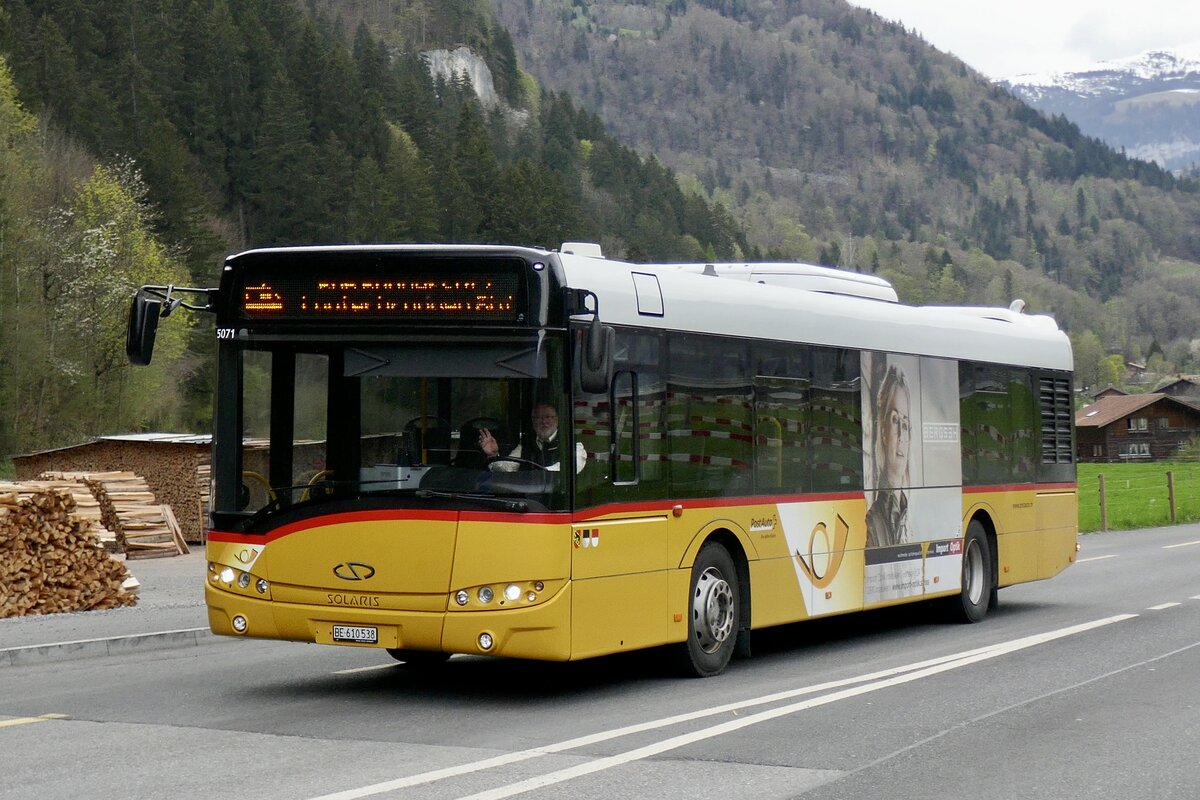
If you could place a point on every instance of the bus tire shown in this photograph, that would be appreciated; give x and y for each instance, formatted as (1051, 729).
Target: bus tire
(714, 613)
(978, 577)
(418, 659)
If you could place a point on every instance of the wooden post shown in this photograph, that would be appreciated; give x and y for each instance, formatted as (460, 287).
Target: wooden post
(1103, 505)
(1171, 493)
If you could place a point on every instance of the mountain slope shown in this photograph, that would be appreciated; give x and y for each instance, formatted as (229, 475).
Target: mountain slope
(230, 124)
(842, 137)
(1148, 105)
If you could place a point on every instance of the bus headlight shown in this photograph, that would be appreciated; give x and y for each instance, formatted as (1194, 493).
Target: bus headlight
(235, 580)
(514, 594)
(485, 641)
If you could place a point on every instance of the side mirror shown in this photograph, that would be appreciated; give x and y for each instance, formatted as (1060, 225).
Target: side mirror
(143, 326)
(596, 362)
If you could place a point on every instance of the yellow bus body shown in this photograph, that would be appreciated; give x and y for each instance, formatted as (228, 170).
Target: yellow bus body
(608, 581)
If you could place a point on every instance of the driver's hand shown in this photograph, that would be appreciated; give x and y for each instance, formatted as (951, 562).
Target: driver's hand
(488, 443)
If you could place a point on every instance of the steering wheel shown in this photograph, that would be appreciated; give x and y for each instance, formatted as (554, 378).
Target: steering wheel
(525, 461)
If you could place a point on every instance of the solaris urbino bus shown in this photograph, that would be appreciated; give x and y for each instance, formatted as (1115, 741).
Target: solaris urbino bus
(738, 446)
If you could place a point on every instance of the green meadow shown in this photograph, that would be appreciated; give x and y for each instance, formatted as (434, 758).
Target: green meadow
(1136, 494)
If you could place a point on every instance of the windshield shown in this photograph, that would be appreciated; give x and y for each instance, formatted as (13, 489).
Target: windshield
(442, 425)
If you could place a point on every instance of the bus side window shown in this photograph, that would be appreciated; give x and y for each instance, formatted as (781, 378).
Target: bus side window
(836, 432)
(710, 422)
(623, 430)
(626, 422)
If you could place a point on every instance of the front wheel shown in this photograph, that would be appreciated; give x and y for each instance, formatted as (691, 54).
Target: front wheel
(714, 612)
(978, 577)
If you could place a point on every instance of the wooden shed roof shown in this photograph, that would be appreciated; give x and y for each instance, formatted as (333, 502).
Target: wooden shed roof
(203, 439)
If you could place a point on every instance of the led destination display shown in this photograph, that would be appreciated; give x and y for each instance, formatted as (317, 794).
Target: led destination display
(458, 297)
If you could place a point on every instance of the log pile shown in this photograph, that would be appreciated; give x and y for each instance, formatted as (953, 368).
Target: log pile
(204, 490)
(87, 505)
(167, 462)
(51, 559)
(144, 528)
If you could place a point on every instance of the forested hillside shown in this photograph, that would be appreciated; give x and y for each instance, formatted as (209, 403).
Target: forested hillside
(841, 137)
(143, 139)
(140, 141)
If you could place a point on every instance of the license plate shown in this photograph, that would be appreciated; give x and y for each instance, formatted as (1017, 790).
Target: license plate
(356, 633)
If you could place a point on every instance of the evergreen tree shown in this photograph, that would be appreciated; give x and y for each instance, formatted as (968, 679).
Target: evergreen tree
(285, 177)
(475, 166)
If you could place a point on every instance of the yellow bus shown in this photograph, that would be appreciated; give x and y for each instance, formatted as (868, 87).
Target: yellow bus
(546, 454)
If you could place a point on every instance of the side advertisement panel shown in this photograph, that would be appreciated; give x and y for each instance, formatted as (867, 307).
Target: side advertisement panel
(912, 476)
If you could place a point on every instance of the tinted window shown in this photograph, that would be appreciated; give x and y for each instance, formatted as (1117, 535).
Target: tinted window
(782, 419)
(710, 424)
(835, 436)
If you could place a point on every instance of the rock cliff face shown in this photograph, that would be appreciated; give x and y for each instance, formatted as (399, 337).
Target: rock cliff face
(1149, 105)
(452, 64)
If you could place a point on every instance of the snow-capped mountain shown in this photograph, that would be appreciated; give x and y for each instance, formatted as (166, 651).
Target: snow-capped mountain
(1149, 104)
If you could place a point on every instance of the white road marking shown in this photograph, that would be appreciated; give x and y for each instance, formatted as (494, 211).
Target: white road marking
(1093, 558)
(371, 668)
(8, 723)
(870, 683)
(1161, 606)
(1182, 544)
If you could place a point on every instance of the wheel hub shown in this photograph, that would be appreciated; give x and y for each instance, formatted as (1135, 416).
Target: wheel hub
(712, 610)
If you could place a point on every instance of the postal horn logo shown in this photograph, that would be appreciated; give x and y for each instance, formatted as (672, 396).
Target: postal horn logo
(819, 542)
(354, 571)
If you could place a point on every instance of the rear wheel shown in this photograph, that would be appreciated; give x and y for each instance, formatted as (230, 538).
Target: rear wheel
(978, 577)
(714, 612)
(418, 659)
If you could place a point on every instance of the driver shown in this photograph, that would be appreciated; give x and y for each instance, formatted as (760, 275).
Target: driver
(543, 451)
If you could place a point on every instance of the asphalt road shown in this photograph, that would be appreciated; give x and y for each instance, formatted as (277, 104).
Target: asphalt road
(1085, 686)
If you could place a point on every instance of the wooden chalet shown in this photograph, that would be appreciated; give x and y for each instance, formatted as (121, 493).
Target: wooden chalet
(1134, 427)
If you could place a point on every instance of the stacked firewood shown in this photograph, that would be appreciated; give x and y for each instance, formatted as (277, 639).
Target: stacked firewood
(87, 506)
(143, 527)
(51, 559)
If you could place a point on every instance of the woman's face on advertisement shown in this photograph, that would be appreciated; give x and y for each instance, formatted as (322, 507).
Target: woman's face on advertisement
(896, 436)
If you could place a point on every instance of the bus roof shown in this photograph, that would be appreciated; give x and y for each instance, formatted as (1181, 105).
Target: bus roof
(812, 305)
(775, 301)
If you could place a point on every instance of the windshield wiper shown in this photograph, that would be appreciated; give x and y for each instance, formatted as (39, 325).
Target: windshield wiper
(507, 505)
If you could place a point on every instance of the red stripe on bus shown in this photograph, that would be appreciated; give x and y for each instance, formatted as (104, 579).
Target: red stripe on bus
(374, 515)
(727, 502)
(657, 506)
(388, 515)
(1021, 487)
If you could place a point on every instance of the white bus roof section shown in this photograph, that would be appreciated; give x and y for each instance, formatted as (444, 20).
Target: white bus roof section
(797, 276)
(733, 302)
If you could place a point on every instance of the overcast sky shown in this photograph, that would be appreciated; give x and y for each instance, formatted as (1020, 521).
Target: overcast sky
(1003, 38)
